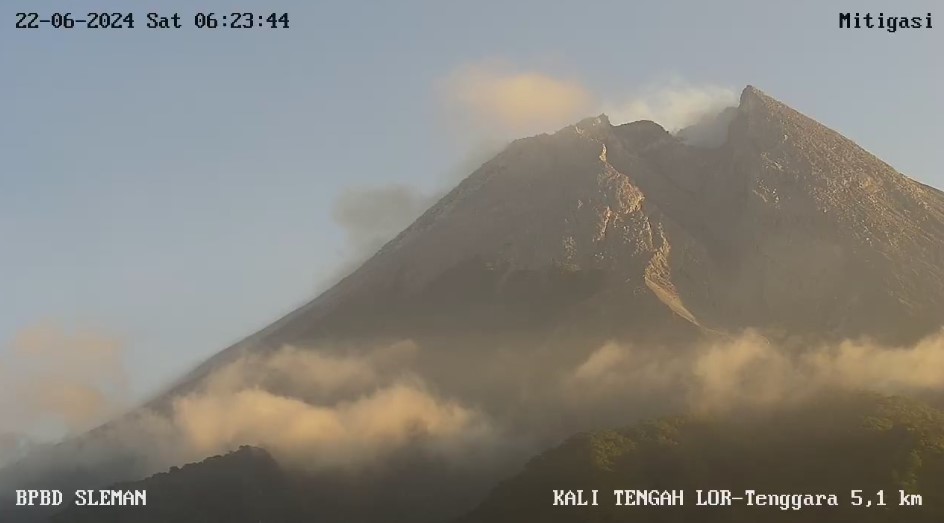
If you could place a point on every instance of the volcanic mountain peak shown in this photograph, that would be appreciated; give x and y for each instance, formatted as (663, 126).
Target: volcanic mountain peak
(750, 91)
(628, 231)
(758, 230)
(753, 100)
(592, 122)
(565, 242)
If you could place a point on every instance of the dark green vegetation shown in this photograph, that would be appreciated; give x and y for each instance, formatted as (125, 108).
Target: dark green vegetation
(865, 442)
(249, 486)
(246, 485)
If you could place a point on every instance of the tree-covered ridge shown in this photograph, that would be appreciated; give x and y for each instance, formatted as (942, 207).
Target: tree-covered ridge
(860, 441)
(243, 486)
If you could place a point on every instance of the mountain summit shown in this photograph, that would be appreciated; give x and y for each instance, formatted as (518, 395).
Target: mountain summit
(628, 231)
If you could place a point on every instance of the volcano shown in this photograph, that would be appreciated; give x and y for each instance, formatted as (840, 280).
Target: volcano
(631, 234)
(628, 231)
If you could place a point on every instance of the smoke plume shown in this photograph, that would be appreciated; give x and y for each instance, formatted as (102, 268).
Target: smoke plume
(495, 98)
(674, 105)
(371, 216)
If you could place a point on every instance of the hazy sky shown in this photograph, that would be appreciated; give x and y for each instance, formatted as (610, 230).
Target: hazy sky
(175, 188)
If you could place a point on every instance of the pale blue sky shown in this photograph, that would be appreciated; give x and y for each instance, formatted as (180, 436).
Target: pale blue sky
(175, 187)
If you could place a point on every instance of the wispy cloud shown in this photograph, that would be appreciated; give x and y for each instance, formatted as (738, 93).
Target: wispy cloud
(494, 97)
(372, 215)
(56, 381)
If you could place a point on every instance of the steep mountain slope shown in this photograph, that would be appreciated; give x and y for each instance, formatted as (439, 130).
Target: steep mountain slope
(626, 231)
(858, 442)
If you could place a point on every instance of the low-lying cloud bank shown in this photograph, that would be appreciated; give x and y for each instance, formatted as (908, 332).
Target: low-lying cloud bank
(352, 408)
(750, 371)
(315, 410)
